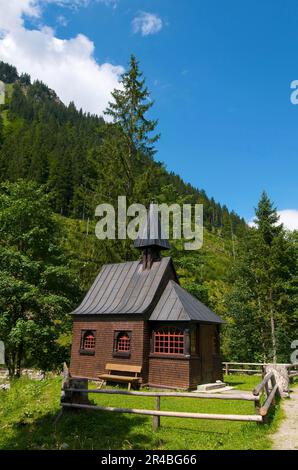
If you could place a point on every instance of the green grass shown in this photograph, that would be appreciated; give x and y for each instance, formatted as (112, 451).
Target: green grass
(28, 410)
(243, 382)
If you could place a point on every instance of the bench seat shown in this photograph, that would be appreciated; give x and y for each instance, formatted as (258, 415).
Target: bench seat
(129, 379)
(120, 378)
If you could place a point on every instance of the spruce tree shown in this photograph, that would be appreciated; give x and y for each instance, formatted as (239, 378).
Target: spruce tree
(128, 111)
(8, 73)
(261, 303)
(267, 220)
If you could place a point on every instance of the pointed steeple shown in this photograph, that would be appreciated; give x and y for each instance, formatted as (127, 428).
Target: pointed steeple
(152, 239)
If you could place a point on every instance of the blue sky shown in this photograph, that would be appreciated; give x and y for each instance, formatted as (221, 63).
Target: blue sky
(219, 72)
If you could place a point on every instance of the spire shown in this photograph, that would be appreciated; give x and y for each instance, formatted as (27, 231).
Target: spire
(152, 239)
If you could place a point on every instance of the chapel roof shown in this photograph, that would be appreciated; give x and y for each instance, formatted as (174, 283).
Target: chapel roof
(176, 304)
(125, 288)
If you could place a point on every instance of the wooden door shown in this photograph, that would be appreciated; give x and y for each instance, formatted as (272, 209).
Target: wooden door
(206, 352)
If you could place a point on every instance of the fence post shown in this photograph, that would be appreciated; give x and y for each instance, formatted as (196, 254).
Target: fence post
(257, 407)
(273, 383)
(267, 389)
(227, 368)
(156, 419)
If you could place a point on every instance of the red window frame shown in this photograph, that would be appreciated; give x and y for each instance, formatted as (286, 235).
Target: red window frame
(89, 341)
(168, 340)
(123, 343)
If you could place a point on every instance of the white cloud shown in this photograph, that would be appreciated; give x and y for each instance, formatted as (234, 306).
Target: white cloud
(66, 65)
(146, 23)
(78, 3)
(81, 3)
(287, 217)
(61, 20)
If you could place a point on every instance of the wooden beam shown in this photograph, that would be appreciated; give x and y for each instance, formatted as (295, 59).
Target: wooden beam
(215, 396)
(170, 414)
(245, 363)
(246, 370)
(156, 419)
(269, 401)
(258, 389)
(293, 374)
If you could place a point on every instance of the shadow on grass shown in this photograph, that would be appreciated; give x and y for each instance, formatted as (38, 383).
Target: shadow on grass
(227, 382)
(81, 429)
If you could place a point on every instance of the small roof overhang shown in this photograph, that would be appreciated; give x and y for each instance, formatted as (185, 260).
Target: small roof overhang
(176, 304)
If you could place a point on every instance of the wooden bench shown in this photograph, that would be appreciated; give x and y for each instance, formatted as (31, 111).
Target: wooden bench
(129, 379)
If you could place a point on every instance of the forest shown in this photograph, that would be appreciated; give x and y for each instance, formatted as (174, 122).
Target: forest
(57, 163)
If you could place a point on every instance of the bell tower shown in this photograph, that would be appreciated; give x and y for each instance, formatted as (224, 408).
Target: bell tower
(152, 239)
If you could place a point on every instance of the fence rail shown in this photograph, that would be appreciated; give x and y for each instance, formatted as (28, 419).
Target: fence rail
(221, 396)
(254, 367)
(294, 370)
(74, 396)
(270, 387)
(172, 414)
(157, 413)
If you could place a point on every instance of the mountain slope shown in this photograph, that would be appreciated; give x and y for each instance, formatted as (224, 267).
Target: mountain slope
(57, 145)
(61, 147)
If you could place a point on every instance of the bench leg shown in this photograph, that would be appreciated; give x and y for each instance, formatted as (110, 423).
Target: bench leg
(128, 386)
(101, 384)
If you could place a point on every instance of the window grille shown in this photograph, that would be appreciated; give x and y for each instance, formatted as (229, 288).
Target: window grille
(169, 341)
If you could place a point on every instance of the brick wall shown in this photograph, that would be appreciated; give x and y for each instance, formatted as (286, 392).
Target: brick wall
(169, 372)
(157, 371)
(91, 366)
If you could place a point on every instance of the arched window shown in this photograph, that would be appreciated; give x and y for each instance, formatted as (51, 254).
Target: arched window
(123, 342)
(88, 340)
(168, 340)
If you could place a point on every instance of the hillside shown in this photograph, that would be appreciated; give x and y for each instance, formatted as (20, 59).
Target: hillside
(57, 145)
(66, 162)
(65, 150)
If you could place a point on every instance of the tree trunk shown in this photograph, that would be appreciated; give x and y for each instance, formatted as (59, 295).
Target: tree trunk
(10, 362)
(19, 360)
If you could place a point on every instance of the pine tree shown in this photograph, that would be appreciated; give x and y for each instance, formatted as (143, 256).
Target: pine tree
(8, 73)
(261, 303)
(267, 220)
(128, 112)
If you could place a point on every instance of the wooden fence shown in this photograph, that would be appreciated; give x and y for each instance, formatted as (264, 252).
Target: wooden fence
(293, 370)
(157, 413)
(75, 397)
(254, 368)
(243, 367)
(270, 387)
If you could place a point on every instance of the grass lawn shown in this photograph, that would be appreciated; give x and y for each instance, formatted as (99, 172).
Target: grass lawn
(28, 410)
